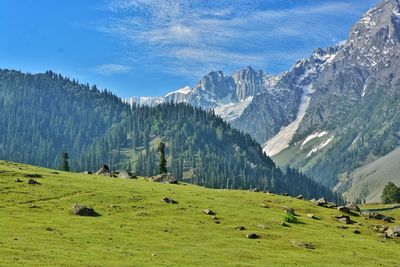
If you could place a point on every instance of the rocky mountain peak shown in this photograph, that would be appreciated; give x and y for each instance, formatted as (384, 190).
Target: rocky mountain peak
(216, 83)
(248, 82)
(373, 40)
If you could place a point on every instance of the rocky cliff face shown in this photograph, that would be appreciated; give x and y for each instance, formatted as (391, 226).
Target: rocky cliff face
(369, 58)
(284, 101)
(356, 101)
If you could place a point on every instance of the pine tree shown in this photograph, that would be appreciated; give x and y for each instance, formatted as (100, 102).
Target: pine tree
(391, 194)
(163, 162)
(64, 162)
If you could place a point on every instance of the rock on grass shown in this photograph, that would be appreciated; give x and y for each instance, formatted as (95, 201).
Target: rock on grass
(209, 212)
(252, 236)
(82, 210)
(299, 244)
(168, 200)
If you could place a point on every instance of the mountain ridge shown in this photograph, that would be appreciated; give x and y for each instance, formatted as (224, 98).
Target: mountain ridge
(348, 92)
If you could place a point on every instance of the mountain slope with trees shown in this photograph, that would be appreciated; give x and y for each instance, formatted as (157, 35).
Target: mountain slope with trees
(356, 103)
(46, 114)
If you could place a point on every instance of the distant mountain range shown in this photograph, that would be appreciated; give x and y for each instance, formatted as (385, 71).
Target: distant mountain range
(227, 95)
(329, 115)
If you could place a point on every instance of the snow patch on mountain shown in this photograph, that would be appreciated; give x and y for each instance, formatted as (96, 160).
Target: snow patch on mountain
(321, 146)
(313, 136)
(184, 90)
(281, 141)
(364, 91)
(231, 111)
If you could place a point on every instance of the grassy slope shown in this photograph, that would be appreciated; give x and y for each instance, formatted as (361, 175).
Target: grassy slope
(369, 180)
(36, 227)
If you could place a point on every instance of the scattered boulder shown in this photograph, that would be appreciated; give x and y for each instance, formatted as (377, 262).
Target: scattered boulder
(356, 231)
(289, 210)
(380, 228)
(321, 202)
(377, 216)
(286, 194)
(303, 245)
(168, 200)
(285, 224)
(343, 209)
(372, 215)
(86, 172)
(166, 178)
(33, 181)
(393, 231)
(312, 216)
(104, 170)
(82, 210)
(264, 206)
(299, 197)
(240, 228)
(126, 175)
(18, 180)
(252, 236)
(353, 208)
(342, 216)
(388, 219)
(209, 212)
(331, 205)
(343, 219)
(253, 190)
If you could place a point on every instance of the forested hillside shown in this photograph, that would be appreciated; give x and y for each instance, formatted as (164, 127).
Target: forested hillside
(45, 114)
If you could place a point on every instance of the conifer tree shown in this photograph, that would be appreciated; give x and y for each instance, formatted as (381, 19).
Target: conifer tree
(163, 162)
(391, 194)
(64, 162)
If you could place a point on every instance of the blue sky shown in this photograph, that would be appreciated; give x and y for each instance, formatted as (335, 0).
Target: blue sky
(151, 47)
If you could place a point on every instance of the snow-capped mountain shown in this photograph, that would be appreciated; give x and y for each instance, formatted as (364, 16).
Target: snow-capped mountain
(281, 108)
(330, 114)
(227, 95)
(356, 103)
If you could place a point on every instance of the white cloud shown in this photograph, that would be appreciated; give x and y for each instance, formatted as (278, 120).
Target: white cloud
(110, 69)
(194, 36)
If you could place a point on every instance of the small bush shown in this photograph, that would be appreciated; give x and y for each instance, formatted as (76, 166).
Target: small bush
(289, 218)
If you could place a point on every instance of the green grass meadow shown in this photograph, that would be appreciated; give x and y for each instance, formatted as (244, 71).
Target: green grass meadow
(137, 229)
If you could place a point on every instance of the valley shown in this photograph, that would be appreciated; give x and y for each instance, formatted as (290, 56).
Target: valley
(268, 151)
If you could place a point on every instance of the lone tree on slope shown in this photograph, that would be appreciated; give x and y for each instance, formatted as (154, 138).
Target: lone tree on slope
(64, 162)
(163, 162)
(391, 194)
